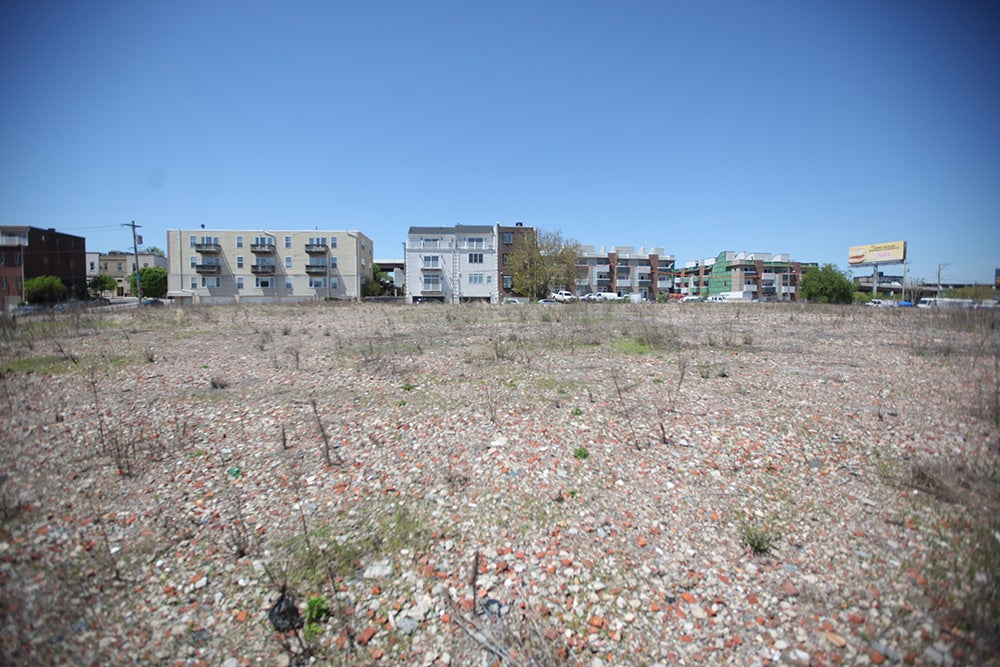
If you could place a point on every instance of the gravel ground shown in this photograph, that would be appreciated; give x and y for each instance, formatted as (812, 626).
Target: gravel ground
(589, 484)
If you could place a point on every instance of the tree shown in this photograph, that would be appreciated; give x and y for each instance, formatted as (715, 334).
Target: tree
(102, 283)
(375, 286)
(542, 261)
(44, 289)
(153, 250)
(826, 284)
(153, 280)
(977, 292)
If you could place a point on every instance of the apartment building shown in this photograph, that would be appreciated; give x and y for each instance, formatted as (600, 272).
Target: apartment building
(624, 271)
(461, 263)
(120, 265)
(226, 266)
(29, 252)
(757, 275)
(507, 239)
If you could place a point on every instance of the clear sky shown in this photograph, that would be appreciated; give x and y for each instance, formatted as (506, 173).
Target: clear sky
(767, 125)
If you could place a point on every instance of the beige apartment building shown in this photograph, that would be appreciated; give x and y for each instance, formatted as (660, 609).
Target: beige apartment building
(226, 266)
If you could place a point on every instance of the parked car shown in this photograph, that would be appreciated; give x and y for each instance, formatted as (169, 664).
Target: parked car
(717, 298)
(562, 295)
(548, 302)
(691, 298)
(67, 306)
(607, 296)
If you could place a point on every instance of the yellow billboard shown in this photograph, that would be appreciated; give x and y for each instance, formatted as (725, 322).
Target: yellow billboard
(877, 253)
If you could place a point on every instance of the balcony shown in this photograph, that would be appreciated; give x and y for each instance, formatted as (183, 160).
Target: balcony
(316, 248)
(208, 269)
(262, 249)
(431, 267)
(316, 269)
(262, 269)
(207, 248)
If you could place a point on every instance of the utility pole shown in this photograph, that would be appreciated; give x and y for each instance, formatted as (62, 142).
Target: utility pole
(939, 279)
(135, 248)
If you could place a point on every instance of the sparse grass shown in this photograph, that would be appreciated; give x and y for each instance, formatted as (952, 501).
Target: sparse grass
(758, 537)
(581, 453)
(49, 364)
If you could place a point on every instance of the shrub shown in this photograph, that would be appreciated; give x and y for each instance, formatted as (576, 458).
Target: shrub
(44, 289)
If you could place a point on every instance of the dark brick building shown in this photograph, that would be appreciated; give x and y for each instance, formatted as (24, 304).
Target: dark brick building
(29, 252)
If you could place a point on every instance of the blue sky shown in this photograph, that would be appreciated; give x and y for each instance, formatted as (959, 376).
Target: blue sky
(776, 126)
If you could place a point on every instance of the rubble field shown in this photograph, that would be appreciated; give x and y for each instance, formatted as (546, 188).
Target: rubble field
(582, 484)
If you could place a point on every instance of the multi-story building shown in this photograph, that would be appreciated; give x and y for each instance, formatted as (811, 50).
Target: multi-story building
(507, 239)
(624, 271)
(120, 265)
(223, 266)
(28, 252)
(758, 275)
(452, 264)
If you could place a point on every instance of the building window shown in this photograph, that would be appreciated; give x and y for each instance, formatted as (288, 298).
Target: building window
(333, 241)
(317, 282)
(120, 264)
(239, 241)
(334, 282)
(264, 282)
(362, 244)
(194, 282)
(239, 261)
(288, 262)
(431, 243)
(505, 257)
(194, 262)
(239, 282)
(288, 282)
(3, 283)
(431, 261)
(475, 258)
(288, 241)
(210, 281)
(476, 242)
(475, 279)
(508, 282)
(333, 262)
(432, 283)
(507, 237)
(192, 241)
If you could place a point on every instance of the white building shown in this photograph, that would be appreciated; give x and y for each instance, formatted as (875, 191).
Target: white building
(452, 264)
(226, 266)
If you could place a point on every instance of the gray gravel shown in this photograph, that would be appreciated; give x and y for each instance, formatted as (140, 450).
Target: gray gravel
(465, 484)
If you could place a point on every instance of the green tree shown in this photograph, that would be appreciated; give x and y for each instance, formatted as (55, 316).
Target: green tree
(375, 286)
(153, 280)
(153, 250)
(44, 289)
(978, 292)
(102, 283)
(826, 284)
(539, 263)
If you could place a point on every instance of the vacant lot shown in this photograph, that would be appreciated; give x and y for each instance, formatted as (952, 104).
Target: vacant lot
(590, 484)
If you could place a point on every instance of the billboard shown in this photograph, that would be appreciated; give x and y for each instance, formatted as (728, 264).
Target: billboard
(877, 253)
